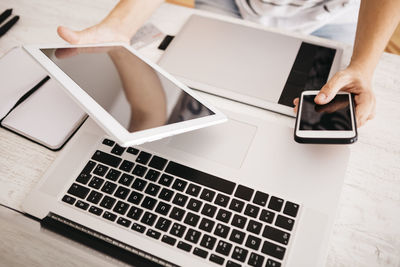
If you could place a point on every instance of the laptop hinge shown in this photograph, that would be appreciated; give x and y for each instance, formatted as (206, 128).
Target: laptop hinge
(101, 242)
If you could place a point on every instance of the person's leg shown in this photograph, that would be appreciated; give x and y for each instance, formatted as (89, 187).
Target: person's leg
(225, 7)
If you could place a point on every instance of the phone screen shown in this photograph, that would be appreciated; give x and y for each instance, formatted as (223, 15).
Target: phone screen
(334, 116)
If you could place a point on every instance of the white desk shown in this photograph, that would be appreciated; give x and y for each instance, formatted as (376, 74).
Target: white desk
(367, 228)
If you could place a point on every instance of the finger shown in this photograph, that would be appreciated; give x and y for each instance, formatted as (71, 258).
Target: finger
(68, 35)
(364, 108)
(296, 103)
(329, 90)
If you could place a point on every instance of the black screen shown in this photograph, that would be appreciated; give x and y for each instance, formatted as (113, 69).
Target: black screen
(334, 116)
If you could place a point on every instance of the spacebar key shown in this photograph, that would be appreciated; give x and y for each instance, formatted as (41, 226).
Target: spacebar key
(199, 177)
(106, 158)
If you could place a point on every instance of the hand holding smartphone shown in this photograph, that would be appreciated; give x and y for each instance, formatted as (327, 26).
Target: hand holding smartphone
(333, 123)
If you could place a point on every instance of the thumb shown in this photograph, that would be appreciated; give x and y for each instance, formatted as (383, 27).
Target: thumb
(72, 37)
(329, 90)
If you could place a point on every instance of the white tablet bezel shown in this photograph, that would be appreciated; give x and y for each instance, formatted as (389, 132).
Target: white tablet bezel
(110, 125)
(241, 97)
(325, 134)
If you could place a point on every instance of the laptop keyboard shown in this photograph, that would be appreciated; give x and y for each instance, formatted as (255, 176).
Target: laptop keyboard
(215, 219)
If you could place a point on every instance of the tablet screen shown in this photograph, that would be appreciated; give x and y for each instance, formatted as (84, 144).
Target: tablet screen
(134, 93)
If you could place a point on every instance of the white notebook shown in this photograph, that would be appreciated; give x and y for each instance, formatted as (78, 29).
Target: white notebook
(48, 116)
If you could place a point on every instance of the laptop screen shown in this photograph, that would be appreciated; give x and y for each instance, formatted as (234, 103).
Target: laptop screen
(135, 94)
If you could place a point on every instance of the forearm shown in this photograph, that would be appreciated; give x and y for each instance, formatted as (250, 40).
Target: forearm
(129, 15)
(376, 22)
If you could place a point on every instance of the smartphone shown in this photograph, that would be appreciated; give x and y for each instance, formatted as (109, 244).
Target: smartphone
(332, 123)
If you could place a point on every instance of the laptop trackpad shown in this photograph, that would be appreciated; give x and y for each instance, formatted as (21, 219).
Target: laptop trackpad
(226, 143)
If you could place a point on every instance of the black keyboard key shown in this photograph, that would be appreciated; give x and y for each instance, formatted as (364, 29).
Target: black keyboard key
(222, 200)
(107, 202)
(208, 242)
(177, 230)
(121, 207)
(166, 194)
(177, 214)
(169, 240)
(201, 178)
(153, 234)
(284, 222)
(275, 203)
(251, 210)
(106, 158)
(149, 203)
(221, 230)
(68, 199)
(126, 166)
(223, 248)
(232, 264)
(179, 185)
(192, 236)
(118, 150)
(113, 174)
(139, 184)
(139, 170)
(166, 180)
(239, 221)
(239, 254)
(143, 157)
(132, 151)
(89, 167)
(291, 209)
(237, 236)
(206, 225)
(254, 227)
(149, 218)
(209, 210)
(260, 198)
(193, 190)
(94, 197)
(95, 210)
(272, 263)
(152, 175)
(224, 215)
(255, 260)
(191, 219)
(96, 182)
(122, 192)
(109, 216)
(152, 189)
(109, 188)
(217, 259)
(244, 192)
(253, 242)
(135, 197)
(163, 208)
(273, 250)
(78, 190)
(163, 224)
(134, 213)
(276, 235)
(158, 163)
(124, 222)
(207, 195)
(180, 199)
(82, 205)
(184, 246)
(83, 178)
(126, 179)
(138, 228)
(200, 252)
(100, 170)
(194, 204)
(267, 216)
(108, 142)
(236, 205)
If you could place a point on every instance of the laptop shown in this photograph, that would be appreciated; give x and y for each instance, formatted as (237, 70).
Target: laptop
(240, 193)
(249, 63)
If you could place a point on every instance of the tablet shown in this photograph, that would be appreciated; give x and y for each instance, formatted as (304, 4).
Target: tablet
(132, 99)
